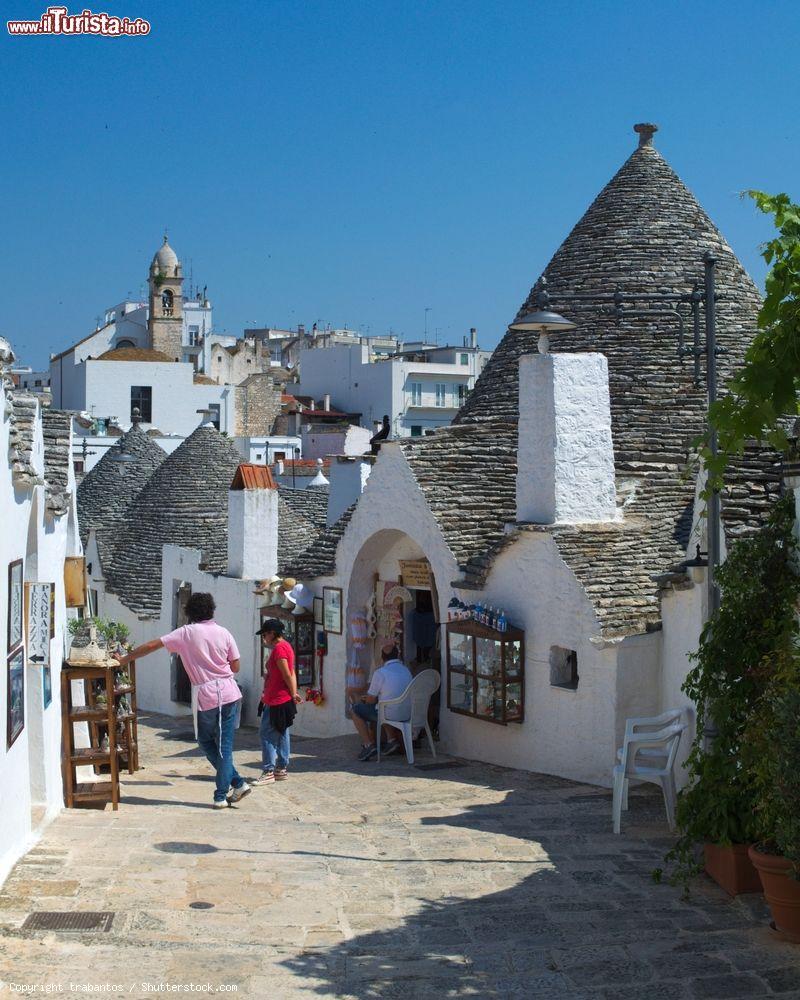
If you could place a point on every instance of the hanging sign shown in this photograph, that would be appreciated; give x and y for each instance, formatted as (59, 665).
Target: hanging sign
(415, 572)
(40, 622)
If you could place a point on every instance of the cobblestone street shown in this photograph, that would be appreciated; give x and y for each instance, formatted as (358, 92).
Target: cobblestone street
(364, 880)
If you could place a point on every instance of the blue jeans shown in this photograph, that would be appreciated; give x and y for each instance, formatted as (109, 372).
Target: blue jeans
(274, 744)
(215, 738)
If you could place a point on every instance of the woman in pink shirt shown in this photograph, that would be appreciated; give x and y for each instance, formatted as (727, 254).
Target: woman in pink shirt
(210, 657)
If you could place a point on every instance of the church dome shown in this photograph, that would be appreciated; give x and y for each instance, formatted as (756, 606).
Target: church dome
(166, 258)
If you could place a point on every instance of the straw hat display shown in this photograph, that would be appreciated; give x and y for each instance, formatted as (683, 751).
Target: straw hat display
(263, 586)
(286, 586)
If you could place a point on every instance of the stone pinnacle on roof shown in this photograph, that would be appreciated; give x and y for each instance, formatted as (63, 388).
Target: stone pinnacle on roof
(646, 132)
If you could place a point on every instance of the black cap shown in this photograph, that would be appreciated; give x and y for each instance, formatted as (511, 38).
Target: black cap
(271, 625)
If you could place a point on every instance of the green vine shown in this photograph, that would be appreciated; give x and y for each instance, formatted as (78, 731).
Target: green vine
(756, 621)
(772, 756)
(765, 389)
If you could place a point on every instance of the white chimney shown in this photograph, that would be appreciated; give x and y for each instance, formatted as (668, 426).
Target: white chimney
(326, 402)
(348, 477)
(473, 337)
(565, 453)
(253, 524)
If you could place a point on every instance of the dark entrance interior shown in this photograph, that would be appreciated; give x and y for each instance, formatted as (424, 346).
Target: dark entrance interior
(181, 685)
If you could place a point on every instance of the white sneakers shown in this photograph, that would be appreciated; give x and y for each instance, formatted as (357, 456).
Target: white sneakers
(239, 793)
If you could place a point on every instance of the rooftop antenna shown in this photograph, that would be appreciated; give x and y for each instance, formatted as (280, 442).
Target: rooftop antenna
(191, 275)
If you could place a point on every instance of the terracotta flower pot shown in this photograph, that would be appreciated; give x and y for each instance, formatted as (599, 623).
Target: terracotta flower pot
(731, 868)
(782, 892)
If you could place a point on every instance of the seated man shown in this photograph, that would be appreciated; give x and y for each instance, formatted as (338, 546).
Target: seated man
(389, 681)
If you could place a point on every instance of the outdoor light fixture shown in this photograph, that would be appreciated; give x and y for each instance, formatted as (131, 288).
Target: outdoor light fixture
(542, 319)
(122, 459)
(697, 565)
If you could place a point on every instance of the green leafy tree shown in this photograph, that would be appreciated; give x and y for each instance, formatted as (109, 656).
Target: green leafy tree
(755, 622)
(765, 389)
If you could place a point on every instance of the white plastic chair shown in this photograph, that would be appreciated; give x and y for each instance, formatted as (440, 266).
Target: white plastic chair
(418, 695)
(657, 768)
(637, 727)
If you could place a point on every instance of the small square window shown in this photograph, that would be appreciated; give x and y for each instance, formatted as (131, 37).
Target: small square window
(465, 359)
(142, 399)
(416, 431)
(563, 668)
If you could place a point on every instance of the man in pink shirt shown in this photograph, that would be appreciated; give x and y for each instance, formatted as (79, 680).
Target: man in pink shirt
(210, 657)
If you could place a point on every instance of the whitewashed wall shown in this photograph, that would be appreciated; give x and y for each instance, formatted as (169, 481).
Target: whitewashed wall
(176, 398)
(238, 610)
(573, 734)
(31, 791)
(683, 614)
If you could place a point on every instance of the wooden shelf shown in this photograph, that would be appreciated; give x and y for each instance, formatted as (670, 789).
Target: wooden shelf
(92, 755)
(86, 714)
(88, 791)
(103, 722)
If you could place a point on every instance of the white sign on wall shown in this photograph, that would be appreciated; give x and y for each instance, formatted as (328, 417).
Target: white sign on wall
(40, 622)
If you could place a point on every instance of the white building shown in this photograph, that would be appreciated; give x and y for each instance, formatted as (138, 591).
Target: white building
(152, 357)
(24, 377)
(37, 509)
(420, 388)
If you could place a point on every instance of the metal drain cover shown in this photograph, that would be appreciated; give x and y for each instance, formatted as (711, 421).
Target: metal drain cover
(53, 920)
(201, 906)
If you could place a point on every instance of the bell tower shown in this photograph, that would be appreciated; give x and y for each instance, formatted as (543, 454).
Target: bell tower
(165, 322)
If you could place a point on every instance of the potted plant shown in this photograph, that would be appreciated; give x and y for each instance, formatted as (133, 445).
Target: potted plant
(756, 617)
(774, 758)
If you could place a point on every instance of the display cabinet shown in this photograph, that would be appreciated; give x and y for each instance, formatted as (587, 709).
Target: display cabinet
(300, 632)
(486, 672)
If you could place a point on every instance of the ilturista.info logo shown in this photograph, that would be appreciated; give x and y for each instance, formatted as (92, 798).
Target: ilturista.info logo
(58, 21)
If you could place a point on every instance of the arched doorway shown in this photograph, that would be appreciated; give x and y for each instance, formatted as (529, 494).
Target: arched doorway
(392, 594)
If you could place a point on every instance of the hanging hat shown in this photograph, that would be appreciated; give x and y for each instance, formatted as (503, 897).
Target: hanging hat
(265, 586)
(286, 586)
(303, 598)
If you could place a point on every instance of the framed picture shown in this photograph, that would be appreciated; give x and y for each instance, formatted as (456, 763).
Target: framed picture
(15, 673)
(15, 604)
(47, 685)
(318, 619)
(332, 609)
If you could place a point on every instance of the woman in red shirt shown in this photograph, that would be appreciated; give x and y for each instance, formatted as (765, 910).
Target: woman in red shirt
(278, 703)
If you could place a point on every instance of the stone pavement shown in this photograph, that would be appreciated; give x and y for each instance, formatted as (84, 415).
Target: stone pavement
(377, 881)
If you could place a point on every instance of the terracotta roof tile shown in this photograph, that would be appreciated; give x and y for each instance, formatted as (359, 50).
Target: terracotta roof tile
(133, 354)
(253, 477)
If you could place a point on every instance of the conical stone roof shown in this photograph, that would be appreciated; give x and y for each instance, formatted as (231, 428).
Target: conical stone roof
(108, 490)
(646, 232)
(185, 502)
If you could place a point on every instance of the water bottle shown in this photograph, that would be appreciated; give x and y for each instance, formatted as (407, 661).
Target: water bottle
(502, 623)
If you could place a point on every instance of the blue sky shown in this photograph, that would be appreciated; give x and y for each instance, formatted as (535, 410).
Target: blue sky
(358, 163)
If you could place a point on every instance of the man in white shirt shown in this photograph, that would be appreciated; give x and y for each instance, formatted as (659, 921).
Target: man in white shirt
(389, 681)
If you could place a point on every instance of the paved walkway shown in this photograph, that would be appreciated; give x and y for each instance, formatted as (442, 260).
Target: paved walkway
(365, 881)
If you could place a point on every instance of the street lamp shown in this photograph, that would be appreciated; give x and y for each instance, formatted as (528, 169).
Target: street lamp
(542, 319)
